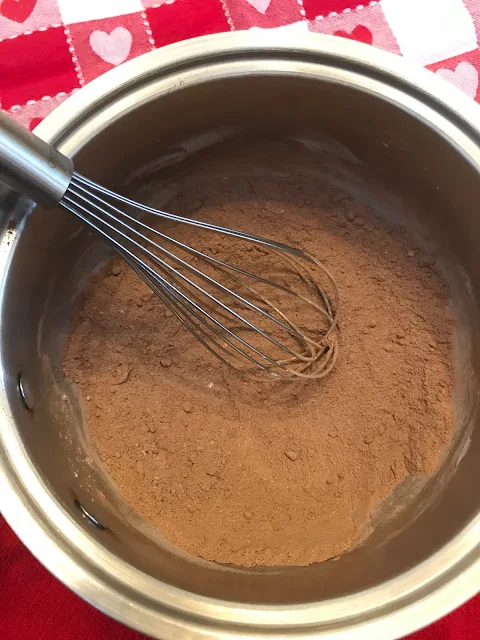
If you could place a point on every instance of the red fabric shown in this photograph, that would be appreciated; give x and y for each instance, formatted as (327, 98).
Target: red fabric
(314, 8)
(49, 48)
(186, 19)
(35, 64)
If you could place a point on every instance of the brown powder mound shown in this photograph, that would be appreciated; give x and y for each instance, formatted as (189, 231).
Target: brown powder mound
(266, 474)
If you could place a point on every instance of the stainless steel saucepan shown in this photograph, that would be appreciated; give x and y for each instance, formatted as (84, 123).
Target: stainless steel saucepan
(398, 138)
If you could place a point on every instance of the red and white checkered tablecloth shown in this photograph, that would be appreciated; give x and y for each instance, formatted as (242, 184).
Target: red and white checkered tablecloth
(51, 48)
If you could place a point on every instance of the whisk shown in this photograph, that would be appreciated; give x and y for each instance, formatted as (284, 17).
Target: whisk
(277, 323)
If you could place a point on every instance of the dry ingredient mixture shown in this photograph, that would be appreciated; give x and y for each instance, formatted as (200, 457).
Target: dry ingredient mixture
(267, 473)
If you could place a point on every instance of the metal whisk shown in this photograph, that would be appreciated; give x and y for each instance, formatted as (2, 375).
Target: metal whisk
(280, 324)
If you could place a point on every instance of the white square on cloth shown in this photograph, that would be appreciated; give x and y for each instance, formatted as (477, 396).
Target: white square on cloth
(430, 30)
(74, 11)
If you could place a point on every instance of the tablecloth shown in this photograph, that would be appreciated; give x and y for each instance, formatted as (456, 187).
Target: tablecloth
(51, 48)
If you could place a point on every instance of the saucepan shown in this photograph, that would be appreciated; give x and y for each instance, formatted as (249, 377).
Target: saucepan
(393, 136)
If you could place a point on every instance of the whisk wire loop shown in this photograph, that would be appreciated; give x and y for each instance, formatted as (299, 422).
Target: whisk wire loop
(206, 303)
(189, 266)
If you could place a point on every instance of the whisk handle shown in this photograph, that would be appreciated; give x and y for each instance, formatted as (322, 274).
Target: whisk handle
(30, 166)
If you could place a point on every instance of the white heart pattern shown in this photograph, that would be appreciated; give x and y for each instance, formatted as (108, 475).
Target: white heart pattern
(112, 47)
(260, 5)
(465, 77)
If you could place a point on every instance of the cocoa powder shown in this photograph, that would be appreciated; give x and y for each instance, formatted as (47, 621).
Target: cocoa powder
(270, 474)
